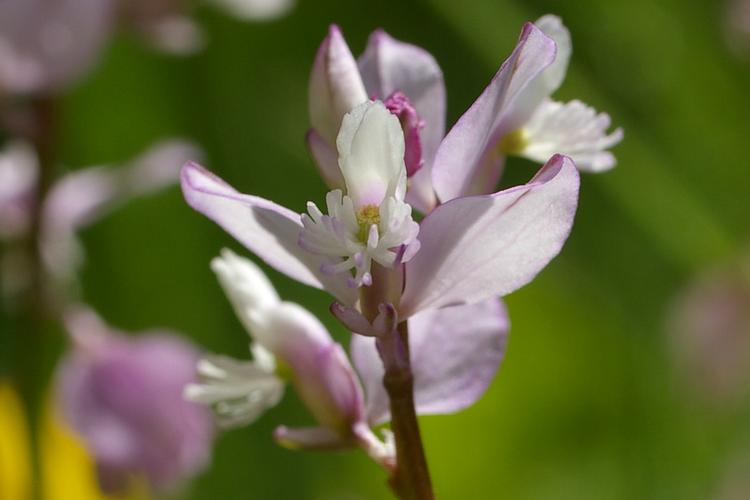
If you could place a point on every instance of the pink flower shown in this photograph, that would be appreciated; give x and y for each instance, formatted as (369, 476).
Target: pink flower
(123, 395)
(514, 114)
(47, 45)
(286, 335)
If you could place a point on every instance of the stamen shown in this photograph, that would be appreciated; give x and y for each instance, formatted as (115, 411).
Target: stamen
(514, 143)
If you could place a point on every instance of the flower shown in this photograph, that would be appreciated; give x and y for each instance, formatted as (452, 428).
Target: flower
(45, 46)
(289, 343)
(709, 333)
(372, 219)
(74, 201)
(514, 115)
(123, 395)
(471, 249)
(18, 179)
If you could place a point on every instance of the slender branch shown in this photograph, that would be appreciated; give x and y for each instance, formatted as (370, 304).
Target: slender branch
(38, 125)
(411, 478)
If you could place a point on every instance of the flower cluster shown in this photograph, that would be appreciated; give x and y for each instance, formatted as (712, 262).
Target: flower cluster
(421, 297)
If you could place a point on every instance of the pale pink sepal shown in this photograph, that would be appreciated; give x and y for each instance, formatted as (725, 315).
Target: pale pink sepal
(478, 247)
(467, 161)
(335, 85)
(455, 353)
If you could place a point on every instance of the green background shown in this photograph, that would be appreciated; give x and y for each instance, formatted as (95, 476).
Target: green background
(587, 404)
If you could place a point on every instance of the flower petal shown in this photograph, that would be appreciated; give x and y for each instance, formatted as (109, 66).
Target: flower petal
(19, 171)
(325, 158)
(238, 391)
(256, 9)
(84, 196)
(320, 370)
(389, 65)
(267, 229)
(470, 147)
(247, 287)
(477, 247)
(455, 353)
(573, 129)
(335, 85)
(553, 27)
(371, 155)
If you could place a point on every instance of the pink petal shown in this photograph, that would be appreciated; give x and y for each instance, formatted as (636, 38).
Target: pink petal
(478, 247)
(455, 353)
(335, 85)
(45, 46)
(267, 229)
(326, 159)
(467, 161)
(389, 65)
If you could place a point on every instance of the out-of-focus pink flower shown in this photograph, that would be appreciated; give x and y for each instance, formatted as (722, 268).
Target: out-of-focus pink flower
(74, 201)
(18, 179)
(735, 481)
(168, 25)
(123, 395)
(46, 45)
(738, 26)
(514, 115)
(710, 335)
(84, 196)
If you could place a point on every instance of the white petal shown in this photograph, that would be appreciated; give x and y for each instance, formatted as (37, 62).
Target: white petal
(553, 27)
(573, 129)
(371, 154)
(239, 392)
(248, 288)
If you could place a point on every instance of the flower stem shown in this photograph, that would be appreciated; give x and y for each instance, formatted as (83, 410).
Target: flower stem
(411, 477)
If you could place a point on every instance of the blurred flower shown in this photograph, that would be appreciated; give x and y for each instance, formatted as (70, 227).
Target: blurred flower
(18, 178)
(738, 26)
(84, 196)
(256, 9)
(123, 395)
(451, 371)
(471, 250)
(74, 201)
(15, 456)
(735, 481)
(47, 44)
(710, 334)
(514, 115)
(167, 24)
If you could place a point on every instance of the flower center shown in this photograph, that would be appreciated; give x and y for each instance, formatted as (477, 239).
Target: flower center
(366, 217)
(514, 143)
